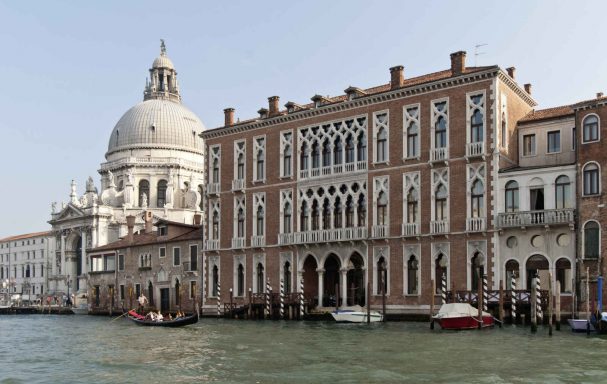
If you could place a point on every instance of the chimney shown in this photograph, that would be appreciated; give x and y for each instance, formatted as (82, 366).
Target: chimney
(149, 226)
(263, 113)
(397, 78)
(130, 224)
(354, 92)
(273, 105)
(599, 95)
(292, 107)
(511, 71)
(528, 88)
(197, 219)
(229, 116)
(458, 62)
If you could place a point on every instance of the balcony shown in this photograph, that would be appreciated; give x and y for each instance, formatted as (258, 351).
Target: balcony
(379, 231)
(258, 241)
(211, 245)
(213, 188)
(439, 227)
(188, 266)
(238, 185)
(532, 218)
(239, 242)
(475, 149)
(285, 238)
(476, 224)
(335, 169)
(439, 154)
(410, 229)
(330, 235)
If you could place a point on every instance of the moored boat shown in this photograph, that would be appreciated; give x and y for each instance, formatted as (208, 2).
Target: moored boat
(580, 325)
(458, 316)
(354, 316)
(178, 322)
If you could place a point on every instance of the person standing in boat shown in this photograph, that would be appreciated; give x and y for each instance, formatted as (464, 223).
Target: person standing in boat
(142, 302)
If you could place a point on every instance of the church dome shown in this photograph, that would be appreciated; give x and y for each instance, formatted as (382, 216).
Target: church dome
(157, 123)
(163, 61)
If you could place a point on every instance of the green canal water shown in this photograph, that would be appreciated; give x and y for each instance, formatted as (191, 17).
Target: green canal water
(70, 349)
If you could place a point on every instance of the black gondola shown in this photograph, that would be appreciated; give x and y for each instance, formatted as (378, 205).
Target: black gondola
(180, 322)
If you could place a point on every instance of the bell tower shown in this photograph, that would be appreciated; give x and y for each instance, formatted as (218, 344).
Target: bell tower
(162, 83)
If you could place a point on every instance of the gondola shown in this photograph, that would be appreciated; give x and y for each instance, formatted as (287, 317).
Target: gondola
(180, 322)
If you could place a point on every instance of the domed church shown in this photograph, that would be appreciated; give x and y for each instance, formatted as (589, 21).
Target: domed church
(154, 163)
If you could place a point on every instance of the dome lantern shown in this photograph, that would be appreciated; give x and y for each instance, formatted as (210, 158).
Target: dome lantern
(162, 83)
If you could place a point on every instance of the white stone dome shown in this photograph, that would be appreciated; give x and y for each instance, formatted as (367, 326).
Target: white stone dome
(163, 61)
(157, 123)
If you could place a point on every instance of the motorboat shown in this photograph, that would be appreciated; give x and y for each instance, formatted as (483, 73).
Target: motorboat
(81, 305)
(177, 322)
(458, 316)
(356, 316)
(580, 325)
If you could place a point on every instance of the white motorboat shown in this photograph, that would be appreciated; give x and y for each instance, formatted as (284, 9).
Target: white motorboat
(355, 316)
(81, 305)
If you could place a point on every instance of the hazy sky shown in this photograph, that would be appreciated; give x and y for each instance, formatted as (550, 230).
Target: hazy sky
(70, 69)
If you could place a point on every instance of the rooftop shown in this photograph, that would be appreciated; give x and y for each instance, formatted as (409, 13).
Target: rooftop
(26, 236)
(547, 114)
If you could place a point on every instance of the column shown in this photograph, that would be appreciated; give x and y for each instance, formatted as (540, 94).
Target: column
(62, 261)
(298, 282)
(82, 277)
(321, 285)
(344, 286)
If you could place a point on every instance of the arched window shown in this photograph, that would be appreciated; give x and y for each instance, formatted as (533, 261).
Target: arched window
(286, 161)
(326, 214)
(591, 179)
(412, 206)
(382, 278)
(361, 147)
(161, 193)
(511, 200)
(562, 192)
(477, 199)
(337, 151)
(240, 288)
(349, 212)
(315, 216)
(260, 278)
(475, 271)
(240, 223)
(144, 189)
(563, 274)
(412, 283)
(120, 185)
(512, 271)
(504, 132)
(286, 220)
(215, 231)
(412, 139)
(476, 126)
(303, 225)
(349, 149)
(177, 292)
(440, 203)
(240, 166)
(260, 165)
(315, 155)
(215, 281)
(260, 221)
(590, 129)
(337, 213)
(326, 154)
(591, 240)
(362, 211)
(440, 271)
(287, 277)
(382, 145)
(215, 175)
(382, 209)
(304, 157)
(440, 132)
(150, 293)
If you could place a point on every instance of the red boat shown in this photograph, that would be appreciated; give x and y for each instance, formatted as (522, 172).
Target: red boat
(459, 316)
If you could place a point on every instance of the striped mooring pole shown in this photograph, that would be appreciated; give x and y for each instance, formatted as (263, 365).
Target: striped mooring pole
(282, 299)
(218, 299)
(444, 289)
(485, 294)
(513, 295)
(301, 299)
(538, 285)
(268, 293)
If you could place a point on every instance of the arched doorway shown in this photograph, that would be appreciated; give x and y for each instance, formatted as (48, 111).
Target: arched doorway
(512, 271)
(563, 274)
(150, 293)
(356, 280)
(177, 293)
(476, 271)
(537, 265)
(310, 276)
(331, 281)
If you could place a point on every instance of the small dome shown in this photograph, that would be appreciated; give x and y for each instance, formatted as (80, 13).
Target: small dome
(157, 123)
(163, 61)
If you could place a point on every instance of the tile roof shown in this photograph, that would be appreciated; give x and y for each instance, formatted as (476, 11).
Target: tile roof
(151, 238)
(548, 113)
(27, 236)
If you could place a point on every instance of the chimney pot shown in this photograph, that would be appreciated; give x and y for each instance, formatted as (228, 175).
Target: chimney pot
(511, 72)
(229, 116)
(273, 105)
(197, 219)
(458, 62)
(599, 95)
(130, 223)
(263, 113)
(528, 88)
(149, 226)
(397, 78)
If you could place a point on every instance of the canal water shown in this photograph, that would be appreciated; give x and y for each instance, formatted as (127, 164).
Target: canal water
(70, 349)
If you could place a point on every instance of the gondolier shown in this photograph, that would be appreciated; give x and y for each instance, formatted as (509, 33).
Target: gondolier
(142, 302)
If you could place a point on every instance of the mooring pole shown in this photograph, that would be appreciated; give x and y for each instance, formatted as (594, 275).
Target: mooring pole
(383, 293)
(550, 302)
(513, 299)
(501, 303)
(587, 301)
(540, 313)
(218, 299)
(368, 303)
(533, 306)
(268, 293)
(282, 299)
(557, 293)
(301, 299)
(479, 297)
(336, 297)
(231, 304)
(250, 309)
(432, 303)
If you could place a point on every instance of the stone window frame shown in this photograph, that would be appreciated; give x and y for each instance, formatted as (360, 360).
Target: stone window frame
(409, 119)
(377, 125)
(600, 186)
(239, 259)
(260, 145)
(240, 202)
(177, 247)
(259, 200)
(476, 172)
(214, 206)
(584, 240)
(408, 251)
(532, 153)
(214, 261)
(286, 196)
(259, 258)
(160, 253)
(212, 157)
(470, 109)
(598, 128)
(237, 152)
(284, 258)
(434, 116)
(411, 180)
(474, 247)
(378, 252)
(436, 249)
(381, 184)
(560, 150)
(440, 176)
(283, 144)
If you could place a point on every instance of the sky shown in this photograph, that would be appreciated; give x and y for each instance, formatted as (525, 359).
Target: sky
(70, 69)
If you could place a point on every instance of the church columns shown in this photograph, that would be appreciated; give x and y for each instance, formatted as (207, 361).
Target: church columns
(83, 272)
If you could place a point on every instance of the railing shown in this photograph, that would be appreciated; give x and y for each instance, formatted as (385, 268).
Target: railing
(285, 238)
(530, 218)
(213, 188)
(211, 245)
(188, 266)
(258, 241)
(410, 229)
(476, 224)
(328, 235)
(439, 154)
(334, 169)
(238, 185)
(379, 231)
(437, 227)
(475, 149)
(150, 160)
(239, 242)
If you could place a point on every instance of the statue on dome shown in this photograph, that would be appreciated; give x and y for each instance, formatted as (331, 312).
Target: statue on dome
(130, 179)
(163, 48)
(84, 201)
(90, 185)
(54, 207)
(110, 178)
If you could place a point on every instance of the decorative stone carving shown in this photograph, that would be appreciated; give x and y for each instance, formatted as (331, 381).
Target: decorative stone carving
(144, 200)
(54, 207)
(90, 186)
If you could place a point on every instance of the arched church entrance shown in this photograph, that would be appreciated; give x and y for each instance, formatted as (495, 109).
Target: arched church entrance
(310, 276)
(537, 265)
(356, 280)
(331, 281)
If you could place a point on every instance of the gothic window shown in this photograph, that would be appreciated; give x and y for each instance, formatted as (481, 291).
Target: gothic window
(440, 124)
(590, 129)
(260, 221)
(382, 209)
(287, 277)
(380, 125)
(287, 218)
(362, 211)
(315, 155)
(338, 150)
(240, 166)
(286, 203)
(240, 223)
(326, 154)
(215, 281)
(326, 214)
(215, 174)
(361, 147)
(511, 196)
(382, 278)
(591, 240)
(440, 203)
(412, 206)
(562, 192)
(337, 213)
(144, 190)
(303, 225)
(286, 143)
(349, 149)
(260, 158)
(215, 229)
(591, 179)
(382, 144)
(304, 157)
(411, 124)
(440, 271)
(260, 278)
(161, 193)
(477, 195)
(412, 269)
(315, 216)
(240, 288)
(476, 106)
(349, 212)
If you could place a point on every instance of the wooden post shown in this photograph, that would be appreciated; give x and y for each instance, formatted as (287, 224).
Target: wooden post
(587, 300)
(501, 308)
(432, 303)
(368, 303)
(336, 297)
(558, 305)
(383, 293)
(250, 309)
(574, 298)
(533, 306)
(479, 297)
(550, 303)
(231, 304)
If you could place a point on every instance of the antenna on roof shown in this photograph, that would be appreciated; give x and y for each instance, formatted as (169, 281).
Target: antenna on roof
(477, 53)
